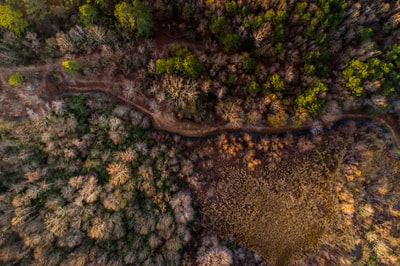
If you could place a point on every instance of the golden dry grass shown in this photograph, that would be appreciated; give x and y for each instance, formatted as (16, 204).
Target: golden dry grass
(278, 213)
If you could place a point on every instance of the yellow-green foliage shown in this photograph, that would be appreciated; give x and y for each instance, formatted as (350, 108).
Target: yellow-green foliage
(309, 99)
(71, 66)
(384, 69)
(124, 13)
(144, 19)
(183, 62)
(253, 88)
(16, 79)
(134, 16)
(87, 14)
(354, 74)
(275, 83)
(12, 19)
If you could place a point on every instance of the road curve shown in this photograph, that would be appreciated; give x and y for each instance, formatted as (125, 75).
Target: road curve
(167, 122)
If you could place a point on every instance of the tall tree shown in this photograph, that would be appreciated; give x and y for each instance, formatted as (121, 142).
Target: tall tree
(144, 19)
(11, 19)
(123, 12)
(133, 17)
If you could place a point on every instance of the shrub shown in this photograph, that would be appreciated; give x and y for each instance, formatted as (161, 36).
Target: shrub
(16, 79)
(71, 66)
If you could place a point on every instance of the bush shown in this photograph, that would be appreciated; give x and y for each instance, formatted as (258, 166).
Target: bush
(71, 66)
(16, 79)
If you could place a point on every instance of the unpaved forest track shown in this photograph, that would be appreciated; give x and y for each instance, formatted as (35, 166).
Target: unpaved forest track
(166, 121)
(162, 119)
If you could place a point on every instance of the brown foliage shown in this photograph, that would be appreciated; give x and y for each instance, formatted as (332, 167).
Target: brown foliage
(119, 173)
(279, 214)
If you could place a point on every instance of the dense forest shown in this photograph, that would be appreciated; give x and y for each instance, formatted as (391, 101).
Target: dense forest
(94, 179)
(90, 183)
(283, 62)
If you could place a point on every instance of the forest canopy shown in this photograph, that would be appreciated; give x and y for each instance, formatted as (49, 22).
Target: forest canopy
(253, 115)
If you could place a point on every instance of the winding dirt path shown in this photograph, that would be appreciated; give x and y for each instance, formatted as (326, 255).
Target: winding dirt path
(165, 121)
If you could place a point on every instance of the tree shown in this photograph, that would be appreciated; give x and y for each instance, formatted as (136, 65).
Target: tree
(309, 99)
(275, 83)
(124, 13)
(134, 16)
(144, 20)
(249, 64)
(253, 88)
(35, 9)
(218, 27)
(87, 14)
(231, 8)
(192, 66)
(354, 74)
(231, 111)
(187, 12)
(101, 3)
(278, 119)
(183, 63)
(12, 19)
(119, 173)
(231, 42)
